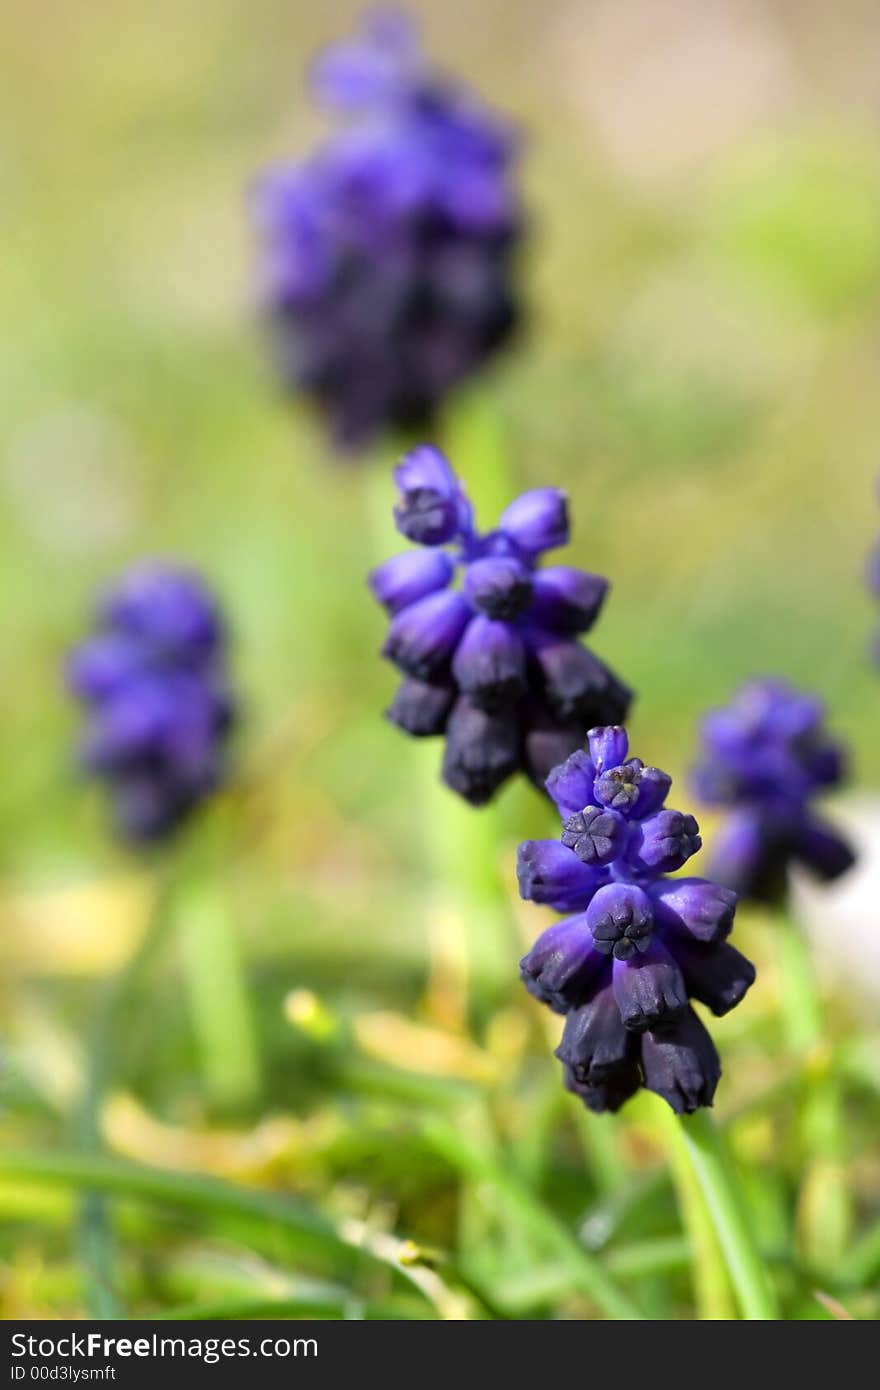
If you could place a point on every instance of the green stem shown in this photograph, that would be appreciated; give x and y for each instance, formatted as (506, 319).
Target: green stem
(824, 1204)
(219, 1004)
(800, 999)
(721, 1192)
(709, 1271)
(95, 1236)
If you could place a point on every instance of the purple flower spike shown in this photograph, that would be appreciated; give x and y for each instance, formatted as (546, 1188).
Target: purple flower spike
(464, 632)
(765, 756)
(641, 946)
(385, 257)
(159, 711)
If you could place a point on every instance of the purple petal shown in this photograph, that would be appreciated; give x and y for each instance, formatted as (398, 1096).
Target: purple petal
(549, 873)
(649, 988)
(566, 599)
(681, 1064)
(499, 585)
(405, 578)
(537, 520)
(562, 963)
(481, 750)
(608, 746)
(490, 664)
(694, 907)
(420, 708)
(571, 784)
(423, 637)
(595, 1042)
(663, 842)
(717, 976)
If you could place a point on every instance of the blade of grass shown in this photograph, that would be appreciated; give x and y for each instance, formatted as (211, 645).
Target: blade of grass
(586, 1273)
(257, 1209)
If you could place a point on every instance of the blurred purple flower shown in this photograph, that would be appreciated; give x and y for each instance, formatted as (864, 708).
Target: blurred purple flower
(766, 756)
(385, 257)
(159, 711)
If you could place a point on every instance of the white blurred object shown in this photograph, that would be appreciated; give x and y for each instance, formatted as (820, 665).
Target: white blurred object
(843, 918)
(667, 84)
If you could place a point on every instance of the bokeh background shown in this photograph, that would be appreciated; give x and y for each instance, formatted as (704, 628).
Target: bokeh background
(700, 373)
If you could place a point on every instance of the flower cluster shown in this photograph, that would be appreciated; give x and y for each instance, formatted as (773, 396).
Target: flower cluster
(385, 258)
(158, 707)
(766, 755)
(639, 946)
(495, 665)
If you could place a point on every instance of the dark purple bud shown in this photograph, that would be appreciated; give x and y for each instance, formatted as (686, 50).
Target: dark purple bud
(481, 752)
(663, 842)
(649, 988)
(566, 599)
(681, 1064)
(419, 708)
(571, 784)
(537, 520)
(429, 512)
(621, 920)
(490, 663)
(549, 873)
(608, 746)
(423, 637)
(595, 834)
(717, 976)
(595, 1044)
(499, 586)
(824, 852)
(608, 1095)
(577, 685)
(693, 907)
(562, 964)
(547, 740)
(405, 578)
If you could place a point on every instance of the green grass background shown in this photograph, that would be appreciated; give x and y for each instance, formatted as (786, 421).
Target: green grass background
(699, 373)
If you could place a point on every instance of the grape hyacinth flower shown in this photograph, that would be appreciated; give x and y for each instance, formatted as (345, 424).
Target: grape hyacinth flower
(765, 756)
(494, 665)
(153, 682)
(385, 258)
(636, 946)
